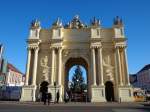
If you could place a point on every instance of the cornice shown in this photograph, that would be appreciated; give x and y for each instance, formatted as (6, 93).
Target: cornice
(33, 40)
(119, 39)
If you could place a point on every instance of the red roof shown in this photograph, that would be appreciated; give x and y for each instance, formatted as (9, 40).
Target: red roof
(13, 68)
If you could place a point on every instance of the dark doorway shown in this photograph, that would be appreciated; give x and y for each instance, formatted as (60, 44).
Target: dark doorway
(44, 89)
(109, 91)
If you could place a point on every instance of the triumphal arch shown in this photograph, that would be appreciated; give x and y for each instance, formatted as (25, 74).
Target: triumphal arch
(102, 51)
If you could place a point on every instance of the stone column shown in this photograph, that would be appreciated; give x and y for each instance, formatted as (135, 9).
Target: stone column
(28, 66)
(52, 66)
(119, 67)
(35, 66)
(93, 66)
(100, 65)
(59, 66)
(126, 67)
(116, 67)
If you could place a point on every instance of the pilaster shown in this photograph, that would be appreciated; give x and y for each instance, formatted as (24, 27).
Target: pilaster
(93, 65)
(35, 66)
(59, 66)
(28, 66)
(119, 66)
(100, 65)
(52, 65)
(126, 67)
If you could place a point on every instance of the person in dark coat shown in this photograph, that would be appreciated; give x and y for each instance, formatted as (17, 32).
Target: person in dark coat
(58, 95)
(44, 97)
(49, 97)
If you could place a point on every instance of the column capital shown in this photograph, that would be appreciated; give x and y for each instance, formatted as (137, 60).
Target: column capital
(93, 47)
(59, 48)
(29, 48)
(120, 46)
(99, 47)
(37, 49)
(33, 46)
(52, 48)
(96, 46)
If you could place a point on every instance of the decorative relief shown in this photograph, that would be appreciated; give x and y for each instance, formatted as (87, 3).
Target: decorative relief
(65, 53)
(75, 53)
(44, 64)
(108, 67)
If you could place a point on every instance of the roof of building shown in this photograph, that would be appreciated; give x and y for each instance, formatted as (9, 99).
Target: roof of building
(146, 67)
(13, 68)
(132, 74)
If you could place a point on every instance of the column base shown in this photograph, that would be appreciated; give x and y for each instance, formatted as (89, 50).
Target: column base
(98, 94)
(28, 93)
(125, 94)
(53, 90)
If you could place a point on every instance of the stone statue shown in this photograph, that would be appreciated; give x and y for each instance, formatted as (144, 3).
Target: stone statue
(35, 24)
(44, 64)
(76, 23)
(118, 21)
(57, 23)
(108, 67)
(95, 22)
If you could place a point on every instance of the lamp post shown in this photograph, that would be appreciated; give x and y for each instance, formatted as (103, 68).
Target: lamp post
(85, 95)
(55, 91)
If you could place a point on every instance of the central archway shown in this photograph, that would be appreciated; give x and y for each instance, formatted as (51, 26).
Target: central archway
(71, 62)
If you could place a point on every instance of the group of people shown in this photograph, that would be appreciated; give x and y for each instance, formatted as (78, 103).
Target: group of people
(47, 97)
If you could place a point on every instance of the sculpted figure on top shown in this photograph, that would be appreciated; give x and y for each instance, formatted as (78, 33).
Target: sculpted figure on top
(57, 23)
(76, 23)
(35, 24)
(118, 21)
(95, 22)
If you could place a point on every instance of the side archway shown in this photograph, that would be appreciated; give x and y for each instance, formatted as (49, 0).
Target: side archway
(109, 91)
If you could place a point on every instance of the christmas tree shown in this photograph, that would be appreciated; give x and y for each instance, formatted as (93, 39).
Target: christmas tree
(78, 83)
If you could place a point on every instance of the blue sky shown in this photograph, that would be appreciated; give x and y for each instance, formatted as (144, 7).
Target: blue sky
(16, 15)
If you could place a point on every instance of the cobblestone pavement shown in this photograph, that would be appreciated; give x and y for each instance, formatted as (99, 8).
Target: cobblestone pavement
(73, 107)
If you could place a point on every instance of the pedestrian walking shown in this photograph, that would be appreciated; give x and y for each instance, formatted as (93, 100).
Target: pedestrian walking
(49, 98)
(66, 97)
(44, 97)
(58, 95)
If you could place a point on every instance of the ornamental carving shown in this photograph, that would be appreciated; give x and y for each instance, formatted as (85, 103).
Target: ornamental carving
(76, 23)
(35, 24)
(44, 64)
(108, 67)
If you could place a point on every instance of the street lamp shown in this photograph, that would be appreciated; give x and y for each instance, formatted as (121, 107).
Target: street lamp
(55, 91)
(85, 91)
